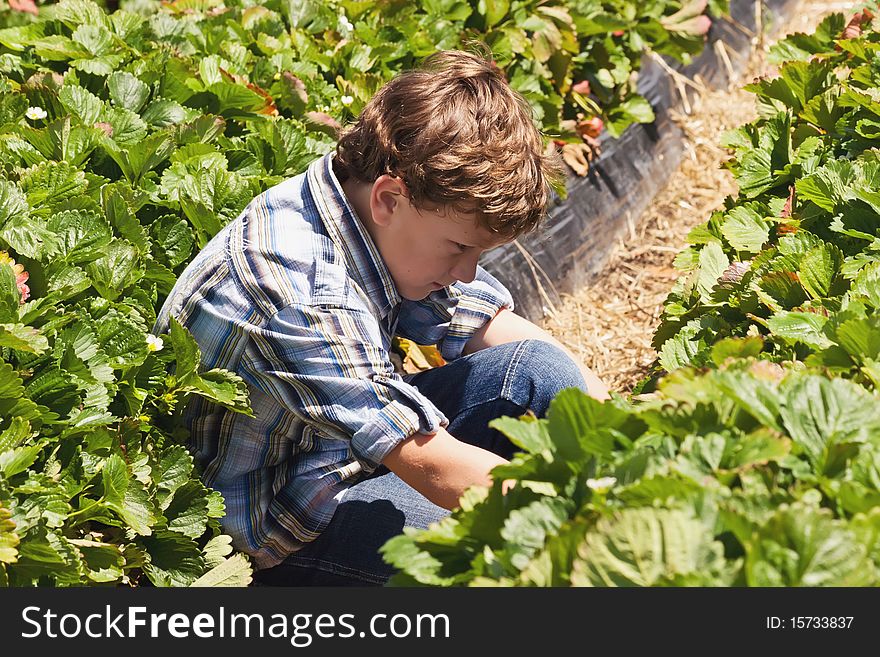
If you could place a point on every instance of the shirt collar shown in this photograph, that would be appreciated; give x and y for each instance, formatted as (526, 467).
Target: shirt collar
(351, 238)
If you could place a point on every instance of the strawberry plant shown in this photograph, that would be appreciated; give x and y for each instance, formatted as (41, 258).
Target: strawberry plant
(127, 140)
(754, 460)
(794, 260)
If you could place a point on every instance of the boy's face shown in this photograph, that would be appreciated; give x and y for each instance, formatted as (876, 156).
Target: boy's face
(425, 250)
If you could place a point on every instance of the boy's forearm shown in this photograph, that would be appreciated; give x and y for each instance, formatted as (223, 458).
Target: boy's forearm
(441, 467)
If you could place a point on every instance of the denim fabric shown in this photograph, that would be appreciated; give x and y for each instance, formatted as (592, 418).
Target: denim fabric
(504, 380)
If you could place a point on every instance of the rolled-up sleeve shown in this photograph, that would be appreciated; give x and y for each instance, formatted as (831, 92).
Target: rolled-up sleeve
(327, 366)
(449, 317)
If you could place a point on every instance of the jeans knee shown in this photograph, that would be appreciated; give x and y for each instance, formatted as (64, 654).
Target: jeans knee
(538, 372)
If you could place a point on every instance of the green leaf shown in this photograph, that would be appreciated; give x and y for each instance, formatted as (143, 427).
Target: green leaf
(186, 351)
(9, 539)
(494, 11)
(745, 229)
(860, 338)
(581, 426)
(529, 435)
(713, 262)
(800, 327)
(217, 549)
(123, 219)
(526, 529)
(142, 157)
(115, 478)
(804, 546)
(636, 109)
(680, 349)
(23, 338)
(50, 183)
(819, 413)
(81, 103)
(81, 236)
(829, 186)
(122, 340)
(174, 559)
(781, 290)
(646, 547)
(234, 571)
(15, 434)
(127, 91)
(19, 459)
(867, 284)
(162, 113)
(187, 512)
(174, 239)
(757, 448)
(104, 561)
(128, 129)
(117, 269)
(173, 470)
(819, 269)
(222, 387)
(736, 348)
(137, 509)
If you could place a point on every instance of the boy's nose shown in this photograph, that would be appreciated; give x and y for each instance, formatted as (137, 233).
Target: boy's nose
(465, 269)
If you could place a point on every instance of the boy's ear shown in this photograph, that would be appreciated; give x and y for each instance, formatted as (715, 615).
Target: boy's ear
(386, 197)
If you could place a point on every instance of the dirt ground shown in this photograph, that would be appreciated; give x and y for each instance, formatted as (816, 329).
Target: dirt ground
(610, 324)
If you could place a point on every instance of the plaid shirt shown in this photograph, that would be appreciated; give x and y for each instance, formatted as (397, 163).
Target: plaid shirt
(294, 297)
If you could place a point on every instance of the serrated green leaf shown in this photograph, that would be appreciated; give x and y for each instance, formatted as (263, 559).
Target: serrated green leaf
(23, 338)
(531, 436)
(526, 529)
(234, 571)
(174, 559)
(819, 413)
(187, 511)
(186, 351)
(82, 236)
(119, 267)
(81, 103)
(114, 476)
(713, 262)
(803, 546)
(9, 539)
(645, 547)
(217, 549)
(819, 269)
(745, 229)
(800, 327)
(127, 91)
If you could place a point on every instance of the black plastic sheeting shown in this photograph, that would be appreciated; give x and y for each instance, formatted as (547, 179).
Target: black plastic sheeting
(574, 243)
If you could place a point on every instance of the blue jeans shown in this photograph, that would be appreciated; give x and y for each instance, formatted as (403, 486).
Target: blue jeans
(505, 380)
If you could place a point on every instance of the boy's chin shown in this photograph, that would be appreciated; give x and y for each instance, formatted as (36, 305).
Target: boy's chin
(418, 293)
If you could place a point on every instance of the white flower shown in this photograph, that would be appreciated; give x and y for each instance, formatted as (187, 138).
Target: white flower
(347, 100)
(35, 113)
(601, 484)
(154, 343)
(345, 25)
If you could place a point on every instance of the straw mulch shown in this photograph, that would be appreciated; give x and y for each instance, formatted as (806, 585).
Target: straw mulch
(609, 325)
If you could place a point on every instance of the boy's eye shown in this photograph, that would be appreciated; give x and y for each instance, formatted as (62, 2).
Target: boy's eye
(461, 247)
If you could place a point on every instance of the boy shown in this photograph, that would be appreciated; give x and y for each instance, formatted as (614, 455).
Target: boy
(301, 296)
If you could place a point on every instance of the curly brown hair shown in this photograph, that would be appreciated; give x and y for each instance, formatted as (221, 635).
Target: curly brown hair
(458, 136)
